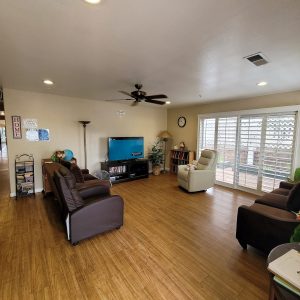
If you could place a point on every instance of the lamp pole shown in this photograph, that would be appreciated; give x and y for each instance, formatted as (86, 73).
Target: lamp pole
(84, 123)
(164, 136)
(165, 153)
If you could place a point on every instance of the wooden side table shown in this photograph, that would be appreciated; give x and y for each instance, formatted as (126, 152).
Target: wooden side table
(278, 292)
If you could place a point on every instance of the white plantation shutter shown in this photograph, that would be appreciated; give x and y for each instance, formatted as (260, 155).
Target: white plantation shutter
(226, 144)
(249, 151)
(254, 151)
(278, 150)
(208, 133)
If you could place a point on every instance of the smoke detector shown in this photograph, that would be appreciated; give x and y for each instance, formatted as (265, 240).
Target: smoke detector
(258, 59)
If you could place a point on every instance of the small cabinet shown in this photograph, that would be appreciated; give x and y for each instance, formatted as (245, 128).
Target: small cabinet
(24, 168)
(180, 157)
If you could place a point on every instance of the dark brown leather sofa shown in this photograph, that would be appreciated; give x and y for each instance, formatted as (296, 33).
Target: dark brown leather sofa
(269, 222)
(84, 180)
(87, 210)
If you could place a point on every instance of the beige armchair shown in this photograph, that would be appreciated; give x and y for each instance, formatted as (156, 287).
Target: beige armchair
(201, 174)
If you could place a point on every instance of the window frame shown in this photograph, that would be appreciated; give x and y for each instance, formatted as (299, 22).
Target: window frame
(261, 111)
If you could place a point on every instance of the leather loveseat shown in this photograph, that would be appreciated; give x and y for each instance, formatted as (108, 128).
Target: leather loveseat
(84, 180)
(270, 221)
(87, 210)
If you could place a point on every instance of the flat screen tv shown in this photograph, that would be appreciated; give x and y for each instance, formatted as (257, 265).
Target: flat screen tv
(124, 148)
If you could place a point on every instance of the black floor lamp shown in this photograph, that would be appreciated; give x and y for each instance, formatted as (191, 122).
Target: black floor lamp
(84, 123)
(165, 136)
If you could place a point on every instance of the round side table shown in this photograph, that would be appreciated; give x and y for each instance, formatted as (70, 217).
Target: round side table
(278, 292)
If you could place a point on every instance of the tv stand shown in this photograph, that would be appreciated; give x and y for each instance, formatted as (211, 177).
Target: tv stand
(120, 171)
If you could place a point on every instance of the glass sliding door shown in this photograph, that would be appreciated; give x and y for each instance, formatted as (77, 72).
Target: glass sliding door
(208, 129)
(249, 152)
(254, 151)
(226, 147)
(278, 150)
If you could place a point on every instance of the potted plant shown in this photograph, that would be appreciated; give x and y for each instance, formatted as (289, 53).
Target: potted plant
(156, 158)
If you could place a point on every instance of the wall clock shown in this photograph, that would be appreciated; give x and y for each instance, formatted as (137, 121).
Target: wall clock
(181, 121)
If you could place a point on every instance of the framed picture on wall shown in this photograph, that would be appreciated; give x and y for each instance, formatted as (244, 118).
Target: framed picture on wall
(16, 126)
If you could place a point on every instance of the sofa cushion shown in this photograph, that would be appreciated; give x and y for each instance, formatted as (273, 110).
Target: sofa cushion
(281, 191)
(286, 185)
(272, 211)
(74, 169)
(274, 200)
(66, 188)
(91, 187)
(68, 176)
(77, 173)
(294, 198)
(206, 160)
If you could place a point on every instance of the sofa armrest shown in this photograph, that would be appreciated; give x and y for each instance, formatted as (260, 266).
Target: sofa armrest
(182, 167)
(264, 227)
(274, 200)
(286, 185)
(99, 188)
(96, 217)
(207, 176)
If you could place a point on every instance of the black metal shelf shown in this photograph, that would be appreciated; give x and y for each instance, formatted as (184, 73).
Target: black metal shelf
(25, 185)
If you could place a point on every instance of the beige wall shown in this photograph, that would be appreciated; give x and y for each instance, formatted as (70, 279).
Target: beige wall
(61, 115)
(188, 134)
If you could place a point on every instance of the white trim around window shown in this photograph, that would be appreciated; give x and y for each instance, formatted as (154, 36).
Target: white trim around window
(265, 111)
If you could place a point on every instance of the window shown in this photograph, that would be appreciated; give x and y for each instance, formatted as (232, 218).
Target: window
(226, 144)
(255, 151)
(278, 150)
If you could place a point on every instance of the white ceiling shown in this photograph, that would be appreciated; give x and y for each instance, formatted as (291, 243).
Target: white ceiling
(180, 48)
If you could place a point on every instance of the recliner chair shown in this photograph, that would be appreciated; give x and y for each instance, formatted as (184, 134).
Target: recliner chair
(202, 175)
(87, 211)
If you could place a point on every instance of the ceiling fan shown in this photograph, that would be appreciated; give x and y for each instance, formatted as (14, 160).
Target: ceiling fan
(138, 96)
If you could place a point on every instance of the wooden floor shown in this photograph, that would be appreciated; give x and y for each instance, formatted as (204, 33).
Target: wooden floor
(173, 245)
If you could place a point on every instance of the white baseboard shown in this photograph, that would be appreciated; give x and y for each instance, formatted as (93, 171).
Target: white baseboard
(14, 194)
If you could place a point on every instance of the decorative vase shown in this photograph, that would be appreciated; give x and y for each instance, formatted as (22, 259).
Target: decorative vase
(156, 170)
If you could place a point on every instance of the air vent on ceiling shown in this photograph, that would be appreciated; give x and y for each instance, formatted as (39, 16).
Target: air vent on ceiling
(257, 59)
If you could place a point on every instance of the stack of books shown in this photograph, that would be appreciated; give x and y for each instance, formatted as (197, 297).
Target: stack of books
(286, 269)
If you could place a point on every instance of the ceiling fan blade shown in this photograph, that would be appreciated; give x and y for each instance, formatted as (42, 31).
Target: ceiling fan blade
(118, 99)
(155, 101)
(160, 96)
(125, 93)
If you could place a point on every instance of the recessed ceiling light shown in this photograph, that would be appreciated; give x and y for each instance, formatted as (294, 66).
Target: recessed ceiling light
(262, 83)
(93, 1)
(168, 102)
(48, 82)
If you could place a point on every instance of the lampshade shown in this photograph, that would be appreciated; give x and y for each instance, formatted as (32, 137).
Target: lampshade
(165, 135)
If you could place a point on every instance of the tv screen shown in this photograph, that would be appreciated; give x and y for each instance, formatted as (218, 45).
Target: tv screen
(124, 148)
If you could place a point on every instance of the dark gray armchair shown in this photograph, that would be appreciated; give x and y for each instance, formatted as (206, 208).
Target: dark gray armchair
(88, 211)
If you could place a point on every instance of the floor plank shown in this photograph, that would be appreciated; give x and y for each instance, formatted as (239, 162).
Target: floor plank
(173, 245)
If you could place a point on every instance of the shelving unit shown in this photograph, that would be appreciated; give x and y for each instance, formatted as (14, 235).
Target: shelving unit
(24, 168)
(180, 157)
(120, 171)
